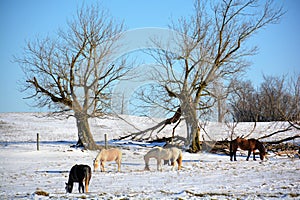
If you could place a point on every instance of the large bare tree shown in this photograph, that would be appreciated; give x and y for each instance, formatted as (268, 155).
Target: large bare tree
(210, 49)
(74, 71)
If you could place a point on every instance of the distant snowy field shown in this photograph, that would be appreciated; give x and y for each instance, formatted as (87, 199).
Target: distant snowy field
(24, 170)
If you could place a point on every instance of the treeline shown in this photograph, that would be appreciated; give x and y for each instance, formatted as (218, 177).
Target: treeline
(276, 99)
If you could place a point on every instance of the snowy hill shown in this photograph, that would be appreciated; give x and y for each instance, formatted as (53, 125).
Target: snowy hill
(57, 129)
(26, 170)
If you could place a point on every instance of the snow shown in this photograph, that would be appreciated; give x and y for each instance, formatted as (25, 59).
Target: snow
(24, 170)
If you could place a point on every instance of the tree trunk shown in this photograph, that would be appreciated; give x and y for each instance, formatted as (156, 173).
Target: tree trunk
(193, 134)
(85, 138)
(196, 146)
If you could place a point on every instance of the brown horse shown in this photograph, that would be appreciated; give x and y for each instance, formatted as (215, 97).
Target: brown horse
(251, 145)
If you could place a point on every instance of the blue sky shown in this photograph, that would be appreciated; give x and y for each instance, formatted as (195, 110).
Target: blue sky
(24, 20)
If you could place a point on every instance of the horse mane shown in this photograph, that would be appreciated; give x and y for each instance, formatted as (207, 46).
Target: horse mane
(99, 154)
(103, 151)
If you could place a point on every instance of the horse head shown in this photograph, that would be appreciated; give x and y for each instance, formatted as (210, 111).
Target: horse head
(262, 153)
(69, 187)
(96, 164)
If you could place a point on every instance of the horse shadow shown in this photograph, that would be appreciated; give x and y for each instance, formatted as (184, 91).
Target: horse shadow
(52, 171)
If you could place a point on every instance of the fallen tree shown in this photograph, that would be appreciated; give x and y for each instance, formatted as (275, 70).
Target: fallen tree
(140, 134)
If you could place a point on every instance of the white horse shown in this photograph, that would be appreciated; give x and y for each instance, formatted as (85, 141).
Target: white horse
(104, 155)
(174, 154)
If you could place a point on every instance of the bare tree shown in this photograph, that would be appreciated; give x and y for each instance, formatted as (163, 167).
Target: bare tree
(284, 95)
(244, 102)
(277, 99)
(211, 47)
(74, 71)
(271, 92)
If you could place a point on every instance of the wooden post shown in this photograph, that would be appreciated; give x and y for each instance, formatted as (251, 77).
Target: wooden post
(105, 140)
(37, 141)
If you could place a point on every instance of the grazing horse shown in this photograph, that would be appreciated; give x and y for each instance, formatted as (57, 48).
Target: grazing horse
(174, 154)
(251, 145)
(104, 155)
(79, 173)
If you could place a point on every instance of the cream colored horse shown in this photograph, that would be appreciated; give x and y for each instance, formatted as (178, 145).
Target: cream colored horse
(174, 154)
(104, 155)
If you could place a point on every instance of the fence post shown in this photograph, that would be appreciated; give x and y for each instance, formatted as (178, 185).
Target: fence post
(105, 140)
(37, 141)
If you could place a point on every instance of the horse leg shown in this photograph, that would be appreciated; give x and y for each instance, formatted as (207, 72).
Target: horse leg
(147, 167)
(166, 162)
(146, 163)
(249, 153)
(173, 164)
(81, 186)
(119, 165)
(254, 155)
(233, 154)
(231, 151)
(102, 166)
(159, 167)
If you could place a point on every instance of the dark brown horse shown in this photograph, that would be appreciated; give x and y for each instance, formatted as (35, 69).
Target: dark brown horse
(251, 145)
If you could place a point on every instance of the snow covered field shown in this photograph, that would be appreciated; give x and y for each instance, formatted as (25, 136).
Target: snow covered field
(24, 170)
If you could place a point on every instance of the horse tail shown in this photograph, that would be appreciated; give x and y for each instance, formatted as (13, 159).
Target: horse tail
(230, 147)
(179, 160)
(120, 155)
(87, 177)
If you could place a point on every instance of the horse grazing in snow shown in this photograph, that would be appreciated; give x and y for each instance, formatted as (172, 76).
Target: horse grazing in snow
(104, 155)
(174, 154)
(79, 173)
(251, 145)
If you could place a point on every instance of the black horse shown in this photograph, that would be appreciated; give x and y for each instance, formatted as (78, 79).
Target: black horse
(79, 173)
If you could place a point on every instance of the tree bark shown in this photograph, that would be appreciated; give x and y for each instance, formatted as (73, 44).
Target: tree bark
(193, 134)
(85, 137)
